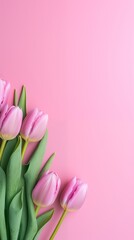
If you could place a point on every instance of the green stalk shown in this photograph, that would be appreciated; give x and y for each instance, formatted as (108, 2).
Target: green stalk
(37, 210)
(24, 148)
(3, 144)
(58, 225)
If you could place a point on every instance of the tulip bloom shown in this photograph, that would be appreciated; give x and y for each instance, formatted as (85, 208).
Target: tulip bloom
(10, 122)
(46, 190)
(34, 126)
(72, 198)
(74, 194)
(4, 91)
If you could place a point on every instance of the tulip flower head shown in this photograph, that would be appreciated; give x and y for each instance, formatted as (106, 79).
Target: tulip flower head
(34, 126)
(72, 198)
(46, 190)
(4, 91)
(74, 194)
(10, 122)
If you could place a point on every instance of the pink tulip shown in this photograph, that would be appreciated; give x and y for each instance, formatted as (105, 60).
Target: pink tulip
(10, 122)
(4, 91)
(34, 126)
(74, 194)
(46, 190)
(72, 198)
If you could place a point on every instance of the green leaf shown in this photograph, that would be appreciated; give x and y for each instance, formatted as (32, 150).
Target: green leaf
(35, 162)
(3, 233)
(31, 223)
(13, 173)
(15, 99)
(15, 212)
(22, 101)
(23, 225)
(30, 178)
(42, 220)
(47, 165)
(7, 153)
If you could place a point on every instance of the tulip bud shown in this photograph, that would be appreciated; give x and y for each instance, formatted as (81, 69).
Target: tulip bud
(34, 126)
(74, 194)
(46, 190)
(10, 122)
(4, 91)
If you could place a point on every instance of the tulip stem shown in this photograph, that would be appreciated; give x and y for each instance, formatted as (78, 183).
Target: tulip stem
(37, 210)
(58, 225)
(24, 148)
(3, 144)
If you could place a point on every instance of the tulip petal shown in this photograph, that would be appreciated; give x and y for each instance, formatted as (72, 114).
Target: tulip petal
(1, 90)
(46, 190)
(39, 128)
(4, 90)
(73, 195)
(3, 114)
(67, 191)
(78, 197)
(11, 124)
(28, 123)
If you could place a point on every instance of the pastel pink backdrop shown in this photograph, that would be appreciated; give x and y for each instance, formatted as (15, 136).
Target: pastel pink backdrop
(76, 58)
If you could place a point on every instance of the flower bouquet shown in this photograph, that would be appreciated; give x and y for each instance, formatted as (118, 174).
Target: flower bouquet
(25, 187)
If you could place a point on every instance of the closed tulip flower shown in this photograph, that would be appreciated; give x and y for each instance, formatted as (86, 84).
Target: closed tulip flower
(4, 91)
(74, 194)
(46, 190)
(10, 122)
(72, 198)
(34, 126)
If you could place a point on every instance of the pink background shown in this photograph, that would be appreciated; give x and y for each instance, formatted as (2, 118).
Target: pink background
(76, 58)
